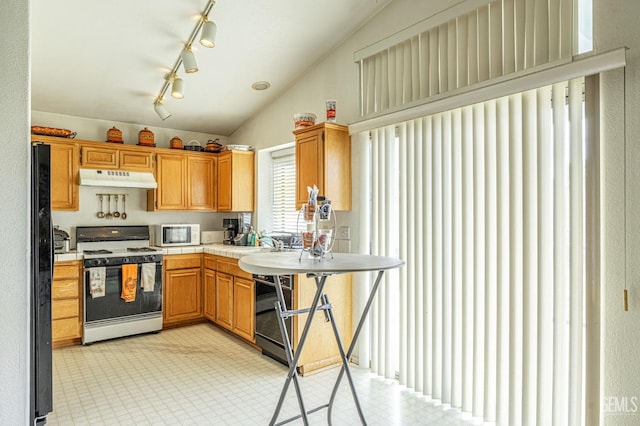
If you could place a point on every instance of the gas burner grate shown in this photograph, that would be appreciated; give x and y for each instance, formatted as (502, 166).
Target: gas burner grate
(141, 249)
(101, 251)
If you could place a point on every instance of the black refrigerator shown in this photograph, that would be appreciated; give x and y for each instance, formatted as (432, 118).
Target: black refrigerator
(41, 278)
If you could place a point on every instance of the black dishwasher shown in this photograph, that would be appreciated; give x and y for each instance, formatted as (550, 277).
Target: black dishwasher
(267, 331)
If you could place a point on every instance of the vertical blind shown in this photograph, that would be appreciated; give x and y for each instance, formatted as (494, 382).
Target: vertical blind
(499, 38)
(485, 204)
(284, 213)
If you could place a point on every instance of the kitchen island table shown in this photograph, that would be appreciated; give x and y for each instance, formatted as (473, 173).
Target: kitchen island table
(285, 263)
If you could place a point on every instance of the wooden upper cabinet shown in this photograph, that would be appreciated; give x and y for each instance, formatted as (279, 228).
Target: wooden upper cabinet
(109, 156)
(136, 160)
(99, 157)
(64, 172)
(171, 176)
(186, 181)
(201, 182)
(235, 181)
(323, 158)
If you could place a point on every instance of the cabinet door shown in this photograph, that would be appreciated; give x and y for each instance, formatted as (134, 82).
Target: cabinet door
(224, 300)
(243, 308)
(210, 294)
(171, 193)
(183, 299)
(200, 183)
(99, 157)
(309, 167)
(137, 160)
(224, 182)
(320, 348)
(323, 158)
(235, 182)
(64, 176)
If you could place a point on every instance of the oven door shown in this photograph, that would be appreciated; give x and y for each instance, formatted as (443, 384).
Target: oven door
(111, 306)
(267, 329)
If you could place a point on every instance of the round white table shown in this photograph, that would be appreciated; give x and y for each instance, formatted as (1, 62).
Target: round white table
(287, 263)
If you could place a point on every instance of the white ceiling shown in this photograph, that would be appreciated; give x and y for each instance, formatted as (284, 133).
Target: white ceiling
(107, 59)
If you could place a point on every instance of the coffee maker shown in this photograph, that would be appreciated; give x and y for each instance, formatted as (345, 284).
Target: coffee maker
(230, 227)
(236, 230)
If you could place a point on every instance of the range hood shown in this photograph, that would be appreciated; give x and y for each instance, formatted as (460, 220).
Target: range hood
(117, 178)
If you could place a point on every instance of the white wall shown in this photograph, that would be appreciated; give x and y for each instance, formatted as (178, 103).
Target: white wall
(15, 212)
(616, 24)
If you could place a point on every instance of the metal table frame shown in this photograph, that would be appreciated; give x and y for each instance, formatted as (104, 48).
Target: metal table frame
(292, 359)
(290, 263)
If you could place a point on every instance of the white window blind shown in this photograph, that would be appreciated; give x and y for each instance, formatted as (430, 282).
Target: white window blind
(496, 39)
(486, 204)
(284, 213)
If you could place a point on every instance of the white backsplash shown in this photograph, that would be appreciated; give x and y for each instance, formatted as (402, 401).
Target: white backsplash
(136, 208)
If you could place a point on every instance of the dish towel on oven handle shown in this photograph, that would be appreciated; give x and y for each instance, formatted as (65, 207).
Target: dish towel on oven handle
(129, 282)
(97, 281)
(148, 276)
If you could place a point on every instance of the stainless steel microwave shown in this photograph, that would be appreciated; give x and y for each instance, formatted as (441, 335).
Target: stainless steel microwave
(178, 234)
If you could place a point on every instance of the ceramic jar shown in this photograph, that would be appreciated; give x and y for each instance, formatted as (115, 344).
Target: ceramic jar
(146, 138)
(175, 143)
(114, 135)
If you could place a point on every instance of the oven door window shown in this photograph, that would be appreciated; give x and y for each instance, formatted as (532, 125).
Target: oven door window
(112, 306)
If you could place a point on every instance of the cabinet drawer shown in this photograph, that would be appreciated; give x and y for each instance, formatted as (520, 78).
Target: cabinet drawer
(64, 289)
(231, 267)
(209, 262)
(182, 261)
(68, 328)
(64, 309)
(66, 270)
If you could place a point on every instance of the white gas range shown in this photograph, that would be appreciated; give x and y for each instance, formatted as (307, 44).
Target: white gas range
(122, 282)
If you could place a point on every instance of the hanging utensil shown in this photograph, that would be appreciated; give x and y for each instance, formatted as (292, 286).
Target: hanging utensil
(124, 213)
(116, 213)
(100, 213)
(108, 215)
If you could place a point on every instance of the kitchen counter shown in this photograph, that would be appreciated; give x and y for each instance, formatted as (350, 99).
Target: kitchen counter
(216, 248)
(219, 249)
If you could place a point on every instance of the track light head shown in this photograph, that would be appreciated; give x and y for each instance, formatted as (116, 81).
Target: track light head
(208, 34)
(177, 87)
(161, 110)
(189, 61)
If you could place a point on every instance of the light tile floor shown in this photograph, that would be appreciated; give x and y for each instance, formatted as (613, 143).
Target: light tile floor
(199, 375)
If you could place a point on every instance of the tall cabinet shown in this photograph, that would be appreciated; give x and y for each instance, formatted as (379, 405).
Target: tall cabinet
(323, 158)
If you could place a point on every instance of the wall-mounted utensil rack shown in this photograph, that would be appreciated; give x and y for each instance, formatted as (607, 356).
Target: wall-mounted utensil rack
(116, 214)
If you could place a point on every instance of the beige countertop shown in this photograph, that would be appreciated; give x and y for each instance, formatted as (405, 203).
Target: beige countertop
(216, 248)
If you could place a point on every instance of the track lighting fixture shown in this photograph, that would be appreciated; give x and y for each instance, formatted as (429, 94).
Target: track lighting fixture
(161, 110)
(177, 87)
(188, 60)
(208, 35)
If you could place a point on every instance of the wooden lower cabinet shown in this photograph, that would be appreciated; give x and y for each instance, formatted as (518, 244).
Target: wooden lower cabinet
(209, 283)
(229, 296)
(224, 300)
(244, 314)
(320, 349)
(182, 292)
(66, 306)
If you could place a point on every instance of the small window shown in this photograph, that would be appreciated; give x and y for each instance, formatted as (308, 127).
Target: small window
(284, 213)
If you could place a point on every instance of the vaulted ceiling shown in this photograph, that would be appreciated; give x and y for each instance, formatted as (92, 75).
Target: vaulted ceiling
(108, 59)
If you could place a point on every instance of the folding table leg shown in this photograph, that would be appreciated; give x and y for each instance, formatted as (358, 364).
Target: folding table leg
(363, 317)
(292, 358)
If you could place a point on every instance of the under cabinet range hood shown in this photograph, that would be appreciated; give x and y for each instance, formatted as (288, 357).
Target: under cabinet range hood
(117, 178)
